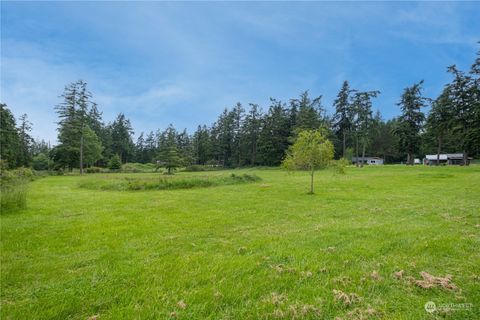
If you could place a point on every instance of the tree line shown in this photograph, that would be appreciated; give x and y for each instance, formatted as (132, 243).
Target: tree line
(248, 135)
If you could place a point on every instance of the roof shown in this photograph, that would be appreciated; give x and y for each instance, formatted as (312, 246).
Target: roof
(445, 156)
(367, 158)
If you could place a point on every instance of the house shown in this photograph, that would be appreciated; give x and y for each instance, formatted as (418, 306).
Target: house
(445, 158)
(368, 160)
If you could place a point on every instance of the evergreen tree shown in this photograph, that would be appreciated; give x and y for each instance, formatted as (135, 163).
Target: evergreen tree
(237, 115)
(150, 147)
(383, 142)
(140, 149)
(309, 115)
(362, 105)
(411, 121)
(343, 115)
(121, 133)
(185, 148)
(168, 156)
(273, 140)
(465, 98)
(26, 141)
(92, 150)
(115, 163)
(440, 119)
(9, 137)
(251, 132)
(224, 136)
(72, 125)
(202, 145)
(40, 147)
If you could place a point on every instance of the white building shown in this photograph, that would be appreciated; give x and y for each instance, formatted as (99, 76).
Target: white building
(445, 158)
(368, 160)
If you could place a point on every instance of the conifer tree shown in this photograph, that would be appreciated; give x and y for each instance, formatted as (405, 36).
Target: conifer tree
(411, 121)
(343, 115)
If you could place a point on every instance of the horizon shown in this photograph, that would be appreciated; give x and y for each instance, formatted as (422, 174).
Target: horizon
(152, 60)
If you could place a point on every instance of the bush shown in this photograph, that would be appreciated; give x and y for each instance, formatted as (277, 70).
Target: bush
(138, 167)
(40, 162)
(115, 163)
(93, 170)
(339, 166)
(200, 168)
(166, 182)
(194, 168)
(13, 189)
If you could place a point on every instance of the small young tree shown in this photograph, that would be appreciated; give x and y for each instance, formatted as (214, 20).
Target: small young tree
(311, 151)
(170, 159)
(115, 163)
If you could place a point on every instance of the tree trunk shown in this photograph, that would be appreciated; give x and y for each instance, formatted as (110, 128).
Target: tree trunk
(439, 149)
(356, 150)
(81, 154)
(344, 143)
(363, 154)
(465, 158)
(311, 180)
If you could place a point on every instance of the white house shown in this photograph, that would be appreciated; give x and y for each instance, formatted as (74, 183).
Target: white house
(368, 160)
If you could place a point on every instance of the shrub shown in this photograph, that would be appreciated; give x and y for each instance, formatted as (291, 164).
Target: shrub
(166, 182)
(13, 189)
(339, 166)
(195, 168)
(200, 168)
(93, 170)
(138, 167)
(115, 163)
(40, 162)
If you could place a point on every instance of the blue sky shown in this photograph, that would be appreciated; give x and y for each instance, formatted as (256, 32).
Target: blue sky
(183, 63)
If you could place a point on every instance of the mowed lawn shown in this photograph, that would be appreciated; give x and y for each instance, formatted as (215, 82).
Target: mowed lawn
(256, 250)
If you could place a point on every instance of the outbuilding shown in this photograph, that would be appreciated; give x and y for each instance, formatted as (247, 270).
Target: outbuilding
(368, 160)
(445, 158)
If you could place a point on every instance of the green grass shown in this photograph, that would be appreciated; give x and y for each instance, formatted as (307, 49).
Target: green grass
(162, 182)
(255, 250)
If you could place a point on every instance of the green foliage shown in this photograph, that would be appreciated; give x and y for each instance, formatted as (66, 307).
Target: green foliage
(115, 163)
(273, 140)
(40, 162)
(121, 134)
(339, 166)
(9, 138)
(411, 121)
(13, 189)
(78, 145)
(138, 167)
(25, 141)
(92, 147)
(199, 168)
(167, 182)
(311, 151)
(169, 156)
(343, 116)
(94, 170)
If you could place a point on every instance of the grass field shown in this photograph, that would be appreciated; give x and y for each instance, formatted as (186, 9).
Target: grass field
(257, 250)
